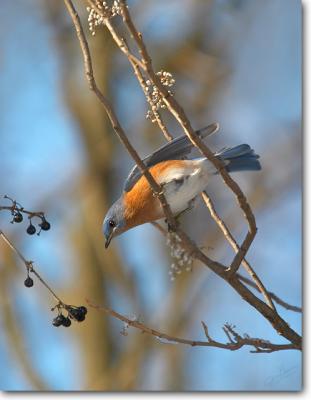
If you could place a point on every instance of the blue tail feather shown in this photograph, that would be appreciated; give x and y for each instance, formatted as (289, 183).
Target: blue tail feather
(240, 158)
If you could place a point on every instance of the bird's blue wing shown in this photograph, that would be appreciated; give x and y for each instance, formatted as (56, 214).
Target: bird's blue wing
(176, 149)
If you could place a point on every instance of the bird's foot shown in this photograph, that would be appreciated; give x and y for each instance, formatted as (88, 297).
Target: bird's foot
(170, 227)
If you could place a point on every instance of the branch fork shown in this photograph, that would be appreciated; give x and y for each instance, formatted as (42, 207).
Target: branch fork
(229, 274)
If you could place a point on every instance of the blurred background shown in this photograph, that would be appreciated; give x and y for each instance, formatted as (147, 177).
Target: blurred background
(237, 62)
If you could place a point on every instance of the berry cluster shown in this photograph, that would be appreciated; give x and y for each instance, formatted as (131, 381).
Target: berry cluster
(182, 259)
(74, 313)
(155, 97)
(104, 10)
(44, 225)
(18, 212)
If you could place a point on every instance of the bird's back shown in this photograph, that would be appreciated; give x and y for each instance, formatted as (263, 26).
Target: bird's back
(181, 180)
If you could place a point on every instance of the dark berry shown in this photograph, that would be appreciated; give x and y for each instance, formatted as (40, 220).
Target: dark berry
(83, 310)
(80, 317)
(66, 322)
(28, 282)
(45, 225)
(73, 312)
(77, 314)
(31, 230)
(58, 321)
(18, 217)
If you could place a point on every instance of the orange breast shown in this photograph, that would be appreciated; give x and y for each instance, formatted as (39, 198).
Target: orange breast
(140, 206)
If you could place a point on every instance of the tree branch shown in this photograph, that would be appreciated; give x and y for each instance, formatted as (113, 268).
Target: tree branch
(273, 296)
(235, 247)
(228, 275)
(249, 282)
(235, 340)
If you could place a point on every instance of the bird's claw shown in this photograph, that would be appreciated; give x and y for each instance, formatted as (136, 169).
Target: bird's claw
(170, 227)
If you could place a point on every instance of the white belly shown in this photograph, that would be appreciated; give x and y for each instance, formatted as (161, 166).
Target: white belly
(183, 184)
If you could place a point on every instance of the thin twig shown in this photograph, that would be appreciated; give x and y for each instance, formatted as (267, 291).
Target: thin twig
(228, 235)
(16, 207)
(29, 266)
(273, 296)
(257, 284)
(261, 346)
(136, 63)
(31, 214)
(227, 334)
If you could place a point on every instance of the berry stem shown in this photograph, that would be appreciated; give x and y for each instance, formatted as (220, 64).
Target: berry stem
(31, 214)
(29, 266)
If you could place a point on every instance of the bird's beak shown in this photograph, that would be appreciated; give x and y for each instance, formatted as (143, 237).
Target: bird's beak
(108, 240)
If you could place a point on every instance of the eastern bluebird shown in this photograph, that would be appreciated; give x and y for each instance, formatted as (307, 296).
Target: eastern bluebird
(181, 179)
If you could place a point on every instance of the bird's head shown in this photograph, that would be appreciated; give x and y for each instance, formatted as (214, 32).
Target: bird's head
(114, 223)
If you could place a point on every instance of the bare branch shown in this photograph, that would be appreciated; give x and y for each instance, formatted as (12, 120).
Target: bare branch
(18, 213)
(227, 334)
(273, 296)
(206, 331)
(249, 282)
(260, 345)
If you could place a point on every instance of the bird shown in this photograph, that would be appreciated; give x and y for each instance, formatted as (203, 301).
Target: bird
(181, 179)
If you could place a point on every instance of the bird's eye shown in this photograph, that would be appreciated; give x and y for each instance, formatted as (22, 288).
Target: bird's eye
(112, 223)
